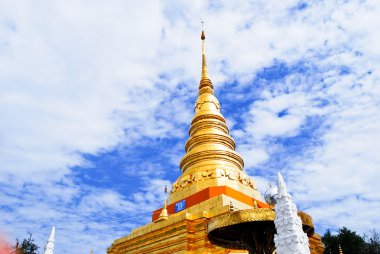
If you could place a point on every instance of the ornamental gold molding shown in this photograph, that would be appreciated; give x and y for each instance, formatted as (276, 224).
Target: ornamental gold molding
(208, 124)
(237, 217)
(241, 177)
(213, 138)
(192, 158)
(206, 98)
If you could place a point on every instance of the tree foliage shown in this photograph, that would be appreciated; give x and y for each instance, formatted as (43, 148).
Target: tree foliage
(27, 246)
(351, 242)
(373, 243)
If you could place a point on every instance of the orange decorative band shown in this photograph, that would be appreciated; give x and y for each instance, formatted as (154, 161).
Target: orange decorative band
(209, 193)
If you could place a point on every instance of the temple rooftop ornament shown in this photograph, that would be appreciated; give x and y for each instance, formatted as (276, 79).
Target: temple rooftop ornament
(290, 237)
(49, 248)
(164, 213)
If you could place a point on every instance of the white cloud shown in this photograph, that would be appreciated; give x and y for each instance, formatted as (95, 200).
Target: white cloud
(264, 119)
(335, 180)
(84, 78)
(253, 156)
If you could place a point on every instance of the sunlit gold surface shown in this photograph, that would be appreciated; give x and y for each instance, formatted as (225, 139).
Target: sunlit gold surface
(222, 174)
(209, 140)
(210, 159)
(306, 219)
(237, 217)
(164, 213)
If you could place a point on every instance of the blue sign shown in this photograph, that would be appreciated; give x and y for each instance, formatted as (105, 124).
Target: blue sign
(180, 206)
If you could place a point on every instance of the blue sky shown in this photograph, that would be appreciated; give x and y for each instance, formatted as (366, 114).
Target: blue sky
(96, 100)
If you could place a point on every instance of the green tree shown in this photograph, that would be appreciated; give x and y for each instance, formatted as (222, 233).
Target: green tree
(350, 241)
(373, 243)
(331, 242)
(27, 246)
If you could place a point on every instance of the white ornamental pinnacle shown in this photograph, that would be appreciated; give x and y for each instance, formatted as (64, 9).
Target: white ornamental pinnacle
(290, 238)
(49, 248)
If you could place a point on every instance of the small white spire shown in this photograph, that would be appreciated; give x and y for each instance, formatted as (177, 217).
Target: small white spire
(290, 238)
(49, 248)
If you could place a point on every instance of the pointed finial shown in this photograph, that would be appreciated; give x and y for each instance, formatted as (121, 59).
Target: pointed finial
(340, 250)
(203, 37)
(164, 213)
(204, 64)
(49, 248)
(281, 185)
(52, 234)
(203, 28)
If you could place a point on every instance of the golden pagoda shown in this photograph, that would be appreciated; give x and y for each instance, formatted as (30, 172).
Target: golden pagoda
(212, 183)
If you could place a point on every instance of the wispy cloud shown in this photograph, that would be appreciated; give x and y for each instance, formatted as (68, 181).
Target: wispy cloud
(95, 100)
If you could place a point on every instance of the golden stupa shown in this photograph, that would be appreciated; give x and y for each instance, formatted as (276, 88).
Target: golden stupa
(212, 183)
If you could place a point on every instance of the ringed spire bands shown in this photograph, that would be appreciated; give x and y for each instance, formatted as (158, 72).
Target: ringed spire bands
(209, 143)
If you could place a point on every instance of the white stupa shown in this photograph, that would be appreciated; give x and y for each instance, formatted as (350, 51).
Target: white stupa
(49, 248)
(290, 238)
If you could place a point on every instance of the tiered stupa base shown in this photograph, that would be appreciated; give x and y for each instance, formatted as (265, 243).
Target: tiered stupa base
(186, 232)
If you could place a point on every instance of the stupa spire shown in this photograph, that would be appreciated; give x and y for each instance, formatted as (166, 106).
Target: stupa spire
(49, 248)
(210, 160)
(209, 142)
(205, 86)
(204, 62)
